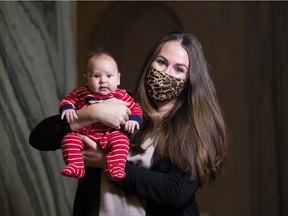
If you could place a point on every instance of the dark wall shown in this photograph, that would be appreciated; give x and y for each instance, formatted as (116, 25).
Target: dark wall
(246, 45)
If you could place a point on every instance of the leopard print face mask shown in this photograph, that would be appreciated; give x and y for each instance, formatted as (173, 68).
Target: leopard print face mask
(163, 87)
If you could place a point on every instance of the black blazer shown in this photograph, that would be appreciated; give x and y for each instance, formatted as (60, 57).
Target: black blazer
(167, 189)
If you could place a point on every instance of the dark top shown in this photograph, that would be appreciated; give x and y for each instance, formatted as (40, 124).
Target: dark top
(167, 189)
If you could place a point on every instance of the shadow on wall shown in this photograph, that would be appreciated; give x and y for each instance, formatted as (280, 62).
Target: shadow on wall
(128, 30)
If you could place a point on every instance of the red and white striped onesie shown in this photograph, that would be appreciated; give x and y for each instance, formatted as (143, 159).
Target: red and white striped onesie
(114, 141)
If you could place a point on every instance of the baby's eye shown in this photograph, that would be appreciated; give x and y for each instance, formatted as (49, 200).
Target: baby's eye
(96, 76)
(109, 75)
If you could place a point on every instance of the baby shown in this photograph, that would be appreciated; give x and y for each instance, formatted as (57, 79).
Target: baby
(102, 80)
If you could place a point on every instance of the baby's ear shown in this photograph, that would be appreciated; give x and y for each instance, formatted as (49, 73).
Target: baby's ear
(119, 76)
(85, 76)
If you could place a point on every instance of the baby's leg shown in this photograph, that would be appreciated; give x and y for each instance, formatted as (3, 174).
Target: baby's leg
(118, 148)
(72, 146)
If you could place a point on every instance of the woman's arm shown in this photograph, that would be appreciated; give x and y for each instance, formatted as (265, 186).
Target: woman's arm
(171, 187)
(164, 183)
(112, 113)
(47, 135)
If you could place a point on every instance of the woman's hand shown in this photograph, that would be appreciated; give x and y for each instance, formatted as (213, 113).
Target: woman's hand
(94, 156)
(112, 113)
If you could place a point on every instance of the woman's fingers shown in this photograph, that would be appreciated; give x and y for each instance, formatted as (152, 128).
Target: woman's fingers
(89, 143)
(113, 113)
(93, 156)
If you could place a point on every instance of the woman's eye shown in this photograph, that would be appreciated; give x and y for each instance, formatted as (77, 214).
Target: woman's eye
(161, 62)
(179, 70)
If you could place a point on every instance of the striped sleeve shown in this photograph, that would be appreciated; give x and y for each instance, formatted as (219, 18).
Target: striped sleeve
(70, 101)
(135, 108)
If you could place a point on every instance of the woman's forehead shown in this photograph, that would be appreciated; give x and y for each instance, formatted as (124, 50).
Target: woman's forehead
(173, 51)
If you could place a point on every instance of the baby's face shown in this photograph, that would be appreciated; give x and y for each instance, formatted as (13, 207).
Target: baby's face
(102, 75)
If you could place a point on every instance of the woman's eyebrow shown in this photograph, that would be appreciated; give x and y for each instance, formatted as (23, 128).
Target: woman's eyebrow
(184, 65)
(178, 64)
(160, 56)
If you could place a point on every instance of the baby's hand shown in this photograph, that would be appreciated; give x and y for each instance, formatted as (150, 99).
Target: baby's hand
(131, 125)
(70, 115)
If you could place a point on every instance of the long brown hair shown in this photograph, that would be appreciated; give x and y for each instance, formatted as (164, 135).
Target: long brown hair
(193, 133)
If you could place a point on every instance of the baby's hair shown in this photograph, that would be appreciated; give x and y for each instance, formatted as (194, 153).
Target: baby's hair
(97, 52)
(94, 52)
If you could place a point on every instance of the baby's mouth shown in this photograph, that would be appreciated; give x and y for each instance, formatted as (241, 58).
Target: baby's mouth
(103, 88)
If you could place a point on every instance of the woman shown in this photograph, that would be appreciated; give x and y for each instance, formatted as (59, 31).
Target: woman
(180, 146)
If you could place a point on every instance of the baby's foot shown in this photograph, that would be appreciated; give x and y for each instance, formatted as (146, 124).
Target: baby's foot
(116, 173)
(71, 170)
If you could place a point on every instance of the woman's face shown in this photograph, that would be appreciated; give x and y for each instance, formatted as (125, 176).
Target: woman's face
(172, 59)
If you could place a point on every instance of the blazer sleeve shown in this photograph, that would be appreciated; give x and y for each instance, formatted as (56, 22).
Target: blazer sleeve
(164, 184)
(47, 134)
